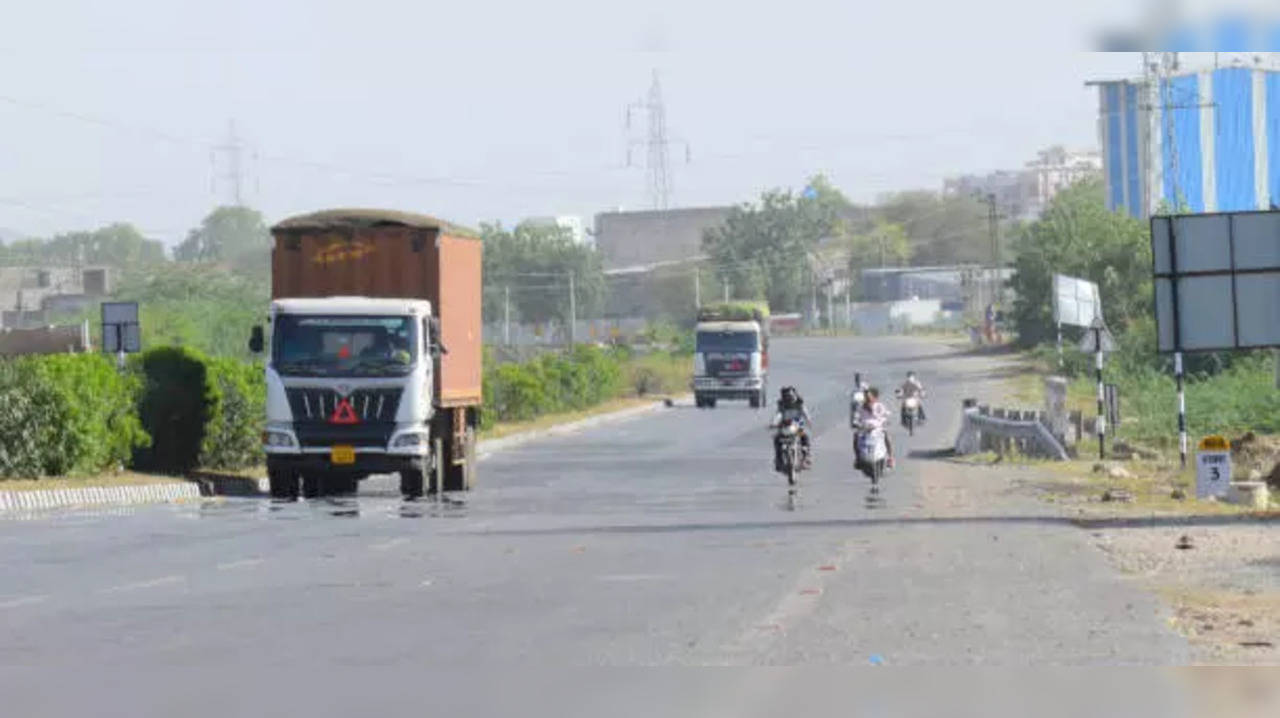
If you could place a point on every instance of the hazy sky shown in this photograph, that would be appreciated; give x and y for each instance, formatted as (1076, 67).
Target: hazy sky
(499, 110)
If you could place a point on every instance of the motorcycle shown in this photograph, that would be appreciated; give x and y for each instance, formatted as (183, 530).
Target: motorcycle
(789, 458)
(911, 414)
(872, 453)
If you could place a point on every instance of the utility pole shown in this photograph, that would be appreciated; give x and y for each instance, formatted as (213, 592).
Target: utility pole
(657, 145)
(506, 315)
(994, 225)
(726, 290)
(233, 148)
(573, 313)
(697, 288)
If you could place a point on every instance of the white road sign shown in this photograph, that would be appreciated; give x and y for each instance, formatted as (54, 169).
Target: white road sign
(1075, 301)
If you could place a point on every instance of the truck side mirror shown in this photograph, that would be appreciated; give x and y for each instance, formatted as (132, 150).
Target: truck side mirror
(256, 339)
(433, 331)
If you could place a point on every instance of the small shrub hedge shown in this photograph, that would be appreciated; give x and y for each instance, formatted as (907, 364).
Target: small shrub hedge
(66, 414)
(177, 402)
(233, 433)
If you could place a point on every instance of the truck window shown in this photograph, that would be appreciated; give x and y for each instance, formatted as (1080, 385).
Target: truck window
(728, 342)
(352, 346)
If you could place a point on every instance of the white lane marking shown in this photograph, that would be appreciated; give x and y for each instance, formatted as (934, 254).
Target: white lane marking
(24, 601)
(153, 583)
(425, 583)
(242, 563)
(389, 544)
(634, 577)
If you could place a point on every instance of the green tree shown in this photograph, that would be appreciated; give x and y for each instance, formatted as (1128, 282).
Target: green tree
(533, 263)
(1077, 236)
(884, 245)
(115, 245)
(236, 236)
(764, 250)
(941, 229)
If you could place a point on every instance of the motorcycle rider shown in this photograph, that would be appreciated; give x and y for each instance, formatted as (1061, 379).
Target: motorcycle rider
(872, 414)
(791, 408)
(913, 388)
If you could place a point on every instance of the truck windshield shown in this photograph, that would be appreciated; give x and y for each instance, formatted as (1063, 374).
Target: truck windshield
(356, 346)
(728, 342)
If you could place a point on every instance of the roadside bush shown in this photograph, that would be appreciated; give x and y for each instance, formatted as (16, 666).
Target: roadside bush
(66, 414)
(178, 401)
(233, 435)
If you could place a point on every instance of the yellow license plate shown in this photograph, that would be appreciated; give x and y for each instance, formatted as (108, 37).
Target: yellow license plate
(342, 455)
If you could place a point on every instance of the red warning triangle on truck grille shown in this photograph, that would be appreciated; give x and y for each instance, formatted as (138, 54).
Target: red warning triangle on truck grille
(343, 413)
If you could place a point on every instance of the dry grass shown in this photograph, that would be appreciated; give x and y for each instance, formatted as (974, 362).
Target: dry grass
(124, 478)
(550, 420)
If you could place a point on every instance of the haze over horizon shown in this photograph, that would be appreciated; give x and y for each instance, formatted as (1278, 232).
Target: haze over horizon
(480, 114)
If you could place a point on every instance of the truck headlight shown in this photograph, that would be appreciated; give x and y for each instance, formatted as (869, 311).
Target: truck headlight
(279, 439)
(411, 440)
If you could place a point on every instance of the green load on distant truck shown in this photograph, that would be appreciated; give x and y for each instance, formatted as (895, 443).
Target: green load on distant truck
(731, 353)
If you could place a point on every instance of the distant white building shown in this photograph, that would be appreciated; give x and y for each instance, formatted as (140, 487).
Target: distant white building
(1024, 193)
(1057, 168)
(574, 224)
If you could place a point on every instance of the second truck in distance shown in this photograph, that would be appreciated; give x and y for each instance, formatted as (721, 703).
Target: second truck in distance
(731, 354)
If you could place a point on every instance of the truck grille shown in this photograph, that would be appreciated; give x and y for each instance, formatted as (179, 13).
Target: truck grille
(368, 405)
(728, 365)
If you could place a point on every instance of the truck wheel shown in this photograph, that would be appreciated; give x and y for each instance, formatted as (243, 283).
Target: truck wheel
(312, 486)
(284, 484)
(711, 402)
(411, 483)
(699, 402)
(754, 401)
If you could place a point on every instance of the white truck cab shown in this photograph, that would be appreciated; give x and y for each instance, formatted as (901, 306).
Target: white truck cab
(349, 387)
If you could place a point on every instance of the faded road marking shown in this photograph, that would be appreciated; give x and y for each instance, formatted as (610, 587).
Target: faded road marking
(153, 583)
(389, 544)
(24, 601)
(243, 563)
(634, 577)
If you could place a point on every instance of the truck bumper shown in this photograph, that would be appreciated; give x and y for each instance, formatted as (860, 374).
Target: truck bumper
(735, 388)
(365, 464)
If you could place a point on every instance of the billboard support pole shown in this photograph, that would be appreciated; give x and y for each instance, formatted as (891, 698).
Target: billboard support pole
(1102, 415)
(1059, 345)
(1177, 347)
(1182, 409)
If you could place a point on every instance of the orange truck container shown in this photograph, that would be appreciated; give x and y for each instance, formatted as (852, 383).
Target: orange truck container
(343, 257)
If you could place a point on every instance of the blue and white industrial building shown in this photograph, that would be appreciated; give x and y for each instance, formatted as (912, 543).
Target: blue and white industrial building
(1194, 141)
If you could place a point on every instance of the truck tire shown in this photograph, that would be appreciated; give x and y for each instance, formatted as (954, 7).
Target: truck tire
(412, 483)
(312, 486)
(699, 402)
(754, 401)
(711, 402)
(284, 484)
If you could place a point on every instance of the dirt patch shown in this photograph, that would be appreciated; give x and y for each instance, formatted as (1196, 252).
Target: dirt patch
(1223, 585)
(1253, 452)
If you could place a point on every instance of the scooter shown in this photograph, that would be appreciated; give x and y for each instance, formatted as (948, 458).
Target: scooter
(871, 452)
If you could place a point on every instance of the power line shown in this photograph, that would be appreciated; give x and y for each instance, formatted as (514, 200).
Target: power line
(657, 145)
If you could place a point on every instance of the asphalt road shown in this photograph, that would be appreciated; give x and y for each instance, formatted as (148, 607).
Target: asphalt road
(663, 540)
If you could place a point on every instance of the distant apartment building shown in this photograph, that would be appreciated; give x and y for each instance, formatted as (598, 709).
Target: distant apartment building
(32, 296)
(1022, 194)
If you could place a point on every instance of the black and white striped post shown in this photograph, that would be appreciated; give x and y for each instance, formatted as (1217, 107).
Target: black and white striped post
(1182, 409)
(1102, 410)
